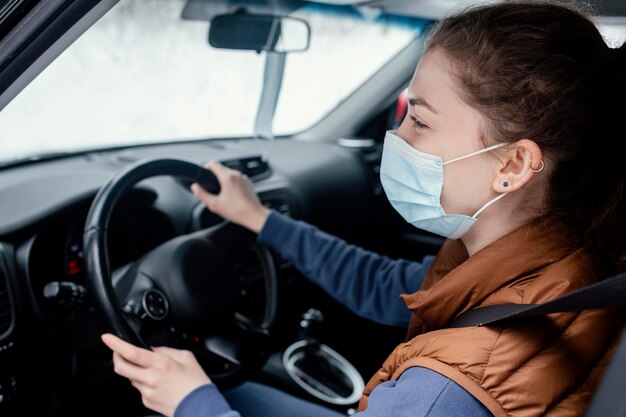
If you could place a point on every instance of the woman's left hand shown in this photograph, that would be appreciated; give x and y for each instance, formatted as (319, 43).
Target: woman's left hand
(163, 376)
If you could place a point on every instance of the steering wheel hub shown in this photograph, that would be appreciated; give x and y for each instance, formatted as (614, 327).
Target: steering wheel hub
(200, 281)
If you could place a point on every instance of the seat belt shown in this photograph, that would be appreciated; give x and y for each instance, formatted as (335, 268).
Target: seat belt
(609, 399)
(608, 293)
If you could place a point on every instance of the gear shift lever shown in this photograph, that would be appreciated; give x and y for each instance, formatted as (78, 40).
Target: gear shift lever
(309, 325)
(315, 362)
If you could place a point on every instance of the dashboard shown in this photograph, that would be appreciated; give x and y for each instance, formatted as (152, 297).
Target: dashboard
(49, 340)
(55, 253)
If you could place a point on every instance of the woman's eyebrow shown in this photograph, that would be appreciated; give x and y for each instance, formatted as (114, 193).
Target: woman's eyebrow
(417, 101)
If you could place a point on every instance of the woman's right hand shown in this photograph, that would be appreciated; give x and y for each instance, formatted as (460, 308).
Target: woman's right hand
(237, 201)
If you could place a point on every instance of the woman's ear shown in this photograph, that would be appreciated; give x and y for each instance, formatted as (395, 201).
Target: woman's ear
(519, 162)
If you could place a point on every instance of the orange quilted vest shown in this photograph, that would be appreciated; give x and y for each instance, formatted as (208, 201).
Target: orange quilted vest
(544, 366)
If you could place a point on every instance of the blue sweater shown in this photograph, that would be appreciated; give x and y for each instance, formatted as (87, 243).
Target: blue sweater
(369, 284)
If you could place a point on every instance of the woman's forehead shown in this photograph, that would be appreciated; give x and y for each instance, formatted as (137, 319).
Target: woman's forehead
(433, 83)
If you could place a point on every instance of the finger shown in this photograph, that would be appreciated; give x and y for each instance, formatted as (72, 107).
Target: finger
(221, 173)
(214, 164)
(138, 384)
(131, 353)
(216, 167)
(200, 193)
(178, 355)
(127, 369)
(203, 195)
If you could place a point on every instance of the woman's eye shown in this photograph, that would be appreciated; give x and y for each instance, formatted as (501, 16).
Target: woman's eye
(417, 124)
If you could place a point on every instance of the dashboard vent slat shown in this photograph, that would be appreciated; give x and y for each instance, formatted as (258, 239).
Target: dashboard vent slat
(6, 312)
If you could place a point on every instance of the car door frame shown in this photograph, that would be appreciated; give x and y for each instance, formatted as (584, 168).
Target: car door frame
(40, 36)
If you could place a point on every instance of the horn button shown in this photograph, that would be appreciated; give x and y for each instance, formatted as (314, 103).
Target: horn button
(199, 280)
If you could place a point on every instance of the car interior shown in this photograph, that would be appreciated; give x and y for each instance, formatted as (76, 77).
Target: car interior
(100, 236)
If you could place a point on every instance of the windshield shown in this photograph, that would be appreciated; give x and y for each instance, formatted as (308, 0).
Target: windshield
(144, 74)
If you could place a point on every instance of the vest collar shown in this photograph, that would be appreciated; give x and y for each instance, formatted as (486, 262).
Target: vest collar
(457, 283)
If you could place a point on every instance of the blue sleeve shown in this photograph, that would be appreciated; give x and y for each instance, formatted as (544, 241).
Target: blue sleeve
(367, 283)
(205, 401)
(421, 392)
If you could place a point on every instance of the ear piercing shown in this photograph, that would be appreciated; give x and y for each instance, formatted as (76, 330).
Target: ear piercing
(530, 166)
(543, 165)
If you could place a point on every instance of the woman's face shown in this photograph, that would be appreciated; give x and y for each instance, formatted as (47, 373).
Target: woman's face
(440, 123)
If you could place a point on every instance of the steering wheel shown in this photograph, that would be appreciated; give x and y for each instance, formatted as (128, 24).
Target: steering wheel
(184, 292)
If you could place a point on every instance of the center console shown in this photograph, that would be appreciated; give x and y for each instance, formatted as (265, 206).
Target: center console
(310, 369)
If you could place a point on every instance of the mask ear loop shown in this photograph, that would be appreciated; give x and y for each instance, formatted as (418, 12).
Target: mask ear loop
(543, 165)
(488, 204)
(490, 148)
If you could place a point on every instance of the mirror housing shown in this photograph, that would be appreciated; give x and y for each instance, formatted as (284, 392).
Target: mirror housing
(257, 32)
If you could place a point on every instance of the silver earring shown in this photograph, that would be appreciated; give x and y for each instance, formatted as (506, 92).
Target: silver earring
(543, 165)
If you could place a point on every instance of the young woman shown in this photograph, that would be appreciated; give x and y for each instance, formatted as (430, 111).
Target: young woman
(508, 149)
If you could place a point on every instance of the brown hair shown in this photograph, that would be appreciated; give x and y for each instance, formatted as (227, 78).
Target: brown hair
(541, 70)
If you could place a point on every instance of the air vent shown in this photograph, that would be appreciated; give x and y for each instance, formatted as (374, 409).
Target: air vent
(6, 311)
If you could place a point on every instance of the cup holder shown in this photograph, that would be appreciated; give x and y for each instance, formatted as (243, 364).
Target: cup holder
(323, 373)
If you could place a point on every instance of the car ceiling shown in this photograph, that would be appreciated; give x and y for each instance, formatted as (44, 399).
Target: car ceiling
(436, 9)
(432, 9)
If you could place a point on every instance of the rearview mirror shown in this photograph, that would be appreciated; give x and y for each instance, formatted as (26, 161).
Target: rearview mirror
(259, 33)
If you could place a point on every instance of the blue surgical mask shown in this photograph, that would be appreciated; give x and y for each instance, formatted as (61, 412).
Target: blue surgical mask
(413, 181)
